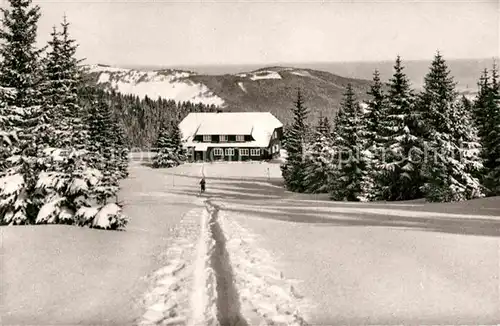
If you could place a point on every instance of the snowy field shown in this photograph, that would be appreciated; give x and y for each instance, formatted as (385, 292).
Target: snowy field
(355, 263)
(249, 252)
(61, 275)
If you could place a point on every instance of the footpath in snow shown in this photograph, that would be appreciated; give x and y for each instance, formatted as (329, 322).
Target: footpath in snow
(266, 296)
(216, 281)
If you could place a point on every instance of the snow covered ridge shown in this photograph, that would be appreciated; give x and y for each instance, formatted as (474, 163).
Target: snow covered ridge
(260, 74)
(274, 73)
(265, 74)
(167, 84)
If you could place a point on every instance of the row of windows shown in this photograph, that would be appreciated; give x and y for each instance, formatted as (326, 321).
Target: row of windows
(222, 138)
(242, 151)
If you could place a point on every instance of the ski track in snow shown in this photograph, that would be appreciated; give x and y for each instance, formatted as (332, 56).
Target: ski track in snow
(183, 291)
(204, 297)
(266, 297)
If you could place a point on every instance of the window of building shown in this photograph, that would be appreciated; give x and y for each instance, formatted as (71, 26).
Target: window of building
(223, 138)
(218, 151)
(255, 152)
(229, 151)
(207, 138)
(240, 138)
(243, 151)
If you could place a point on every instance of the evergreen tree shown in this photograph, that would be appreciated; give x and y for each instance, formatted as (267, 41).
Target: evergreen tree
(169, 147)
(375, 141)
(20, 72)
(102, 148)
(467, 106)
(318, 159)
(72, 80)
(351, 181)
(63, 76)
(450, 140)
(377, 106)
(52, 88)
(20, 67)
(487, 118)
(121, 149)
(8, 136)
(481, 103)
(319, 164)
(399, 130)
(323, 126)
(293, 169)
(286, 129)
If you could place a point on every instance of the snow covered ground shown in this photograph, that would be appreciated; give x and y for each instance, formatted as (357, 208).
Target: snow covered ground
(265, 74)
(356, 263)
(240, 84)
(63, 275)
(250, 253)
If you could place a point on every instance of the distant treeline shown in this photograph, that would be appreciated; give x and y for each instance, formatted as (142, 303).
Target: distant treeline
(142, 118)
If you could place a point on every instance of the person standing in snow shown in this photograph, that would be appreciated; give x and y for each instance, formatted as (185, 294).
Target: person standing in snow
(202, 185)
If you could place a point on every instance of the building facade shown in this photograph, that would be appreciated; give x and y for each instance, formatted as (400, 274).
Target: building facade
(231, 136)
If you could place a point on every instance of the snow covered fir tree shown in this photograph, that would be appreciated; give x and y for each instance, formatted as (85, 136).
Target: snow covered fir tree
(293, 170)
(486, 115)
(376, 110)
(318, 158)
(401, 149)
(169, 150)
(351, 180)
(46, 175)
(450, 139)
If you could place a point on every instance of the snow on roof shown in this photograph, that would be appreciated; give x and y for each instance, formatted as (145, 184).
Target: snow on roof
(258, 124)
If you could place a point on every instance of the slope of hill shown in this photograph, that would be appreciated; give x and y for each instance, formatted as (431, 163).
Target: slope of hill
(466, 72)
(167, 84)
(271, 89)
(274, 89)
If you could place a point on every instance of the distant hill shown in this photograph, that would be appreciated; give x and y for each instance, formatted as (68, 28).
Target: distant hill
(268, 89)
(273, 88)
(465, 71)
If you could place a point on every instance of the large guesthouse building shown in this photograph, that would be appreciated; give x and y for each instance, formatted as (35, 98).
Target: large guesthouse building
(231, 136)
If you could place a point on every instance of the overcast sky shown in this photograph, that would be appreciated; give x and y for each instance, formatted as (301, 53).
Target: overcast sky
(230, 32)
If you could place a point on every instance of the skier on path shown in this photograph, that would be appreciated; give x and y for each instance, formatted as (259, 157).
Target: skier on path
(202, 185)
